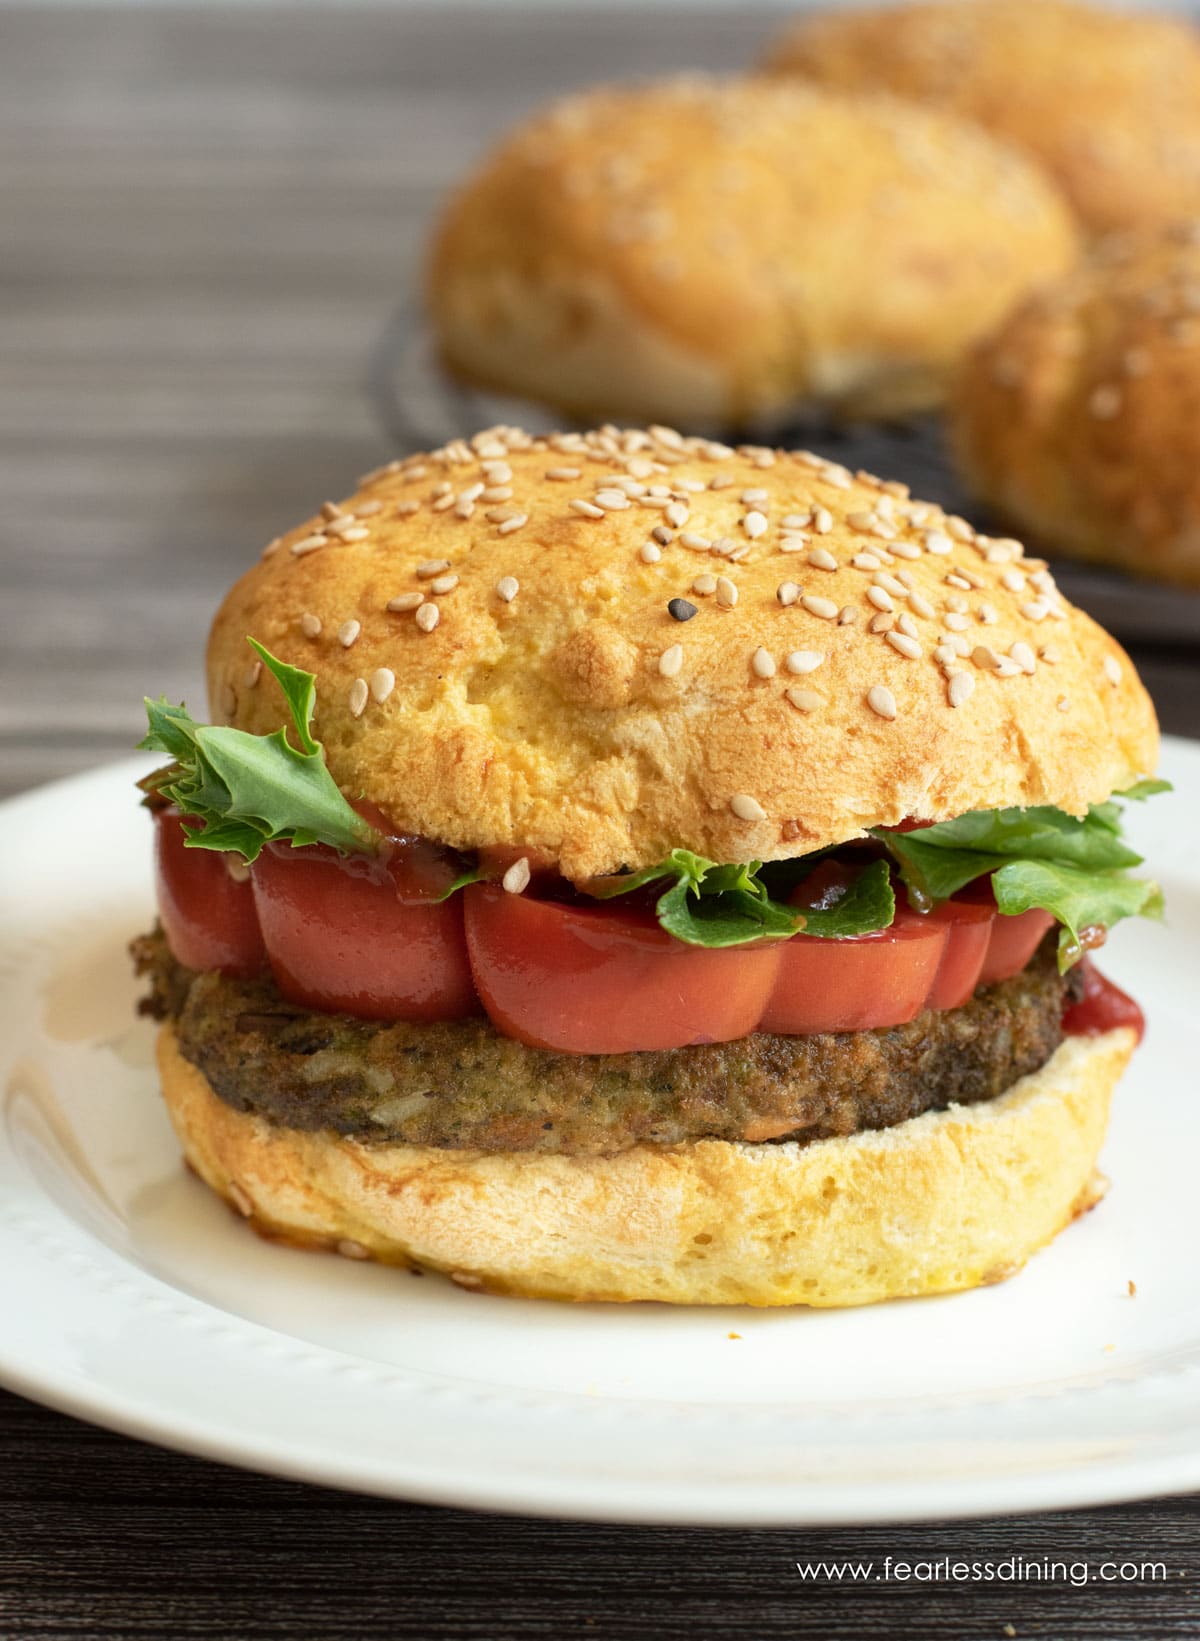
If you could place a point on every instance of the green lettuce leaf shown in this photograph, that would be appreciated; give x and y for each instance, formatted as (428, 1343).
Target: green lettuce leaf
(249, 790)
(1075, 868)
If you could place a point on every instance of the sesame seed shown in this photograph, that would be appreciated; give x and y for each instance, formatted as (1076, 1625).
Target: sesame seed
(944, 655)
(985, 658)
(955, 621)
(428, 616)
(881, 599)
(383, 682)
(612, 501)
(331, 509)
(310, 625)
(670, 662)
(938, 543)
(1035, 610)
(822, 521)
(727, 593)
(662, 535)
(430, 567)
(792, 543)
(563, 473)
(272, 546)
(309, 544)
(734, 551)
(586, 509)
(238, 869)
(497, 472)
(988, 615)
(881, 700)
(680, 610)
(704, 585)
(920, 605)
(507, 588)
(882, 622)
(496, 492)
(751, 498)
(822, 559)
(762, 663)
(890, 583)
(906, 645)
(358, 697)
(905, 549)
(755, 524)
(863, 522)
(1050, 655)
(516, 880)
(747, 808)
(1063, 704)
(795, 521)
(906, 624)
(866, 561)
(406, 509)
(694, 543)
(1112, 670)
(348, 632)
(650, 552)
(443, 503)
(956, 643)
(823, 607)
(956, 580)
(1023, 655)
(405, 601)
(1013, 581)
(959, 529)
(959, 688)
(676, 514)
(802, 661)
(443, 583)
(804, 700)
(511, 524)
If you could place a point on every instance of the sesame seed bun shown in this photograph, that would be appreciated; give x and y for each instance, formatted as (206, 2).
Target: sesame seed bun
(1078, 419)
(1108, 102)
(718, 252)
(944, 1201)
(498, 661)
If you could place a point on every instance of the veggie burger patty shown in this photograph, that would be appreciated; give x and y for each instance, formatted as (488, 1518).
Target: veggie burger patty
(461, 1085)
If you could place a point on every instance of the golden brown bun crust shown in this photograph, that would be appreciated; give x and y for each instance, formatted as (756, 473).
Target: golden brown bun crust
(1079, 419)
(565, 722)
(945, 1201)
(704, 250)
(1108, 102)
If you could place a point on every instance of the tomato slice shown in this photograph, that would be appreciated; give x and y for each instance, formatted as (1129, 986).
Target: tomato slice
(607, 979)
(968, 925)
(857, 983)
(207, 912)
(1102, 1007)
(1014, 941)
(363, 936)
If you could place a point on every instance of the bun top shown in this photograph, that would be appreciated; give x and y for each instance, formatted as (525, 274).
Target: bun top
(1076, 416)
(721, 249)
(603, 646)
(1108, 101)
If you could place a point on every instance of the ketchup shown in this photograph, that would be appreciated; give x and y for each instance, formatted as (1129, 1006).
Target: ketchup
(1102, 1007)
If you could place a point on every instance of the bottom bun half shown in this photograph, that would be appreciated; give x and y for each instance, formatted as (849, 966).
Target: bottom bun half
(944, 1201)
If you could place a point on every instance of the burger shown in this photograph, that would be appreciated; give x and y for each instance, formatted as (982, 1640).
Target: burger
(620, 866)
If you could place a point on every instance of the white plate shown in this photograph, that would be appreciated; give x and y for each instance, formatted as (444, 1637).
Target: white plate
(132, 1297)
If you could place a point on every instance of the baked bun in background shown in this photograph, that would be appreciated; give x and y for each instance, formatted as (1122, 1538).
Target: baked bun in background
(1108, 101)
(718, 253)
(942, 1202)
(1079, 418)
(601, 647)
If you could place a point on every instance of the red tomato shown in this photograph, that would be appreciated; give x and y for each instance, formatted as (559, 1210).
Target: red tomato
(364, 936)
(968, 927)
(1102, 1007)
(856, 983)
(607, 979)
(207, 914)
(1014, 941)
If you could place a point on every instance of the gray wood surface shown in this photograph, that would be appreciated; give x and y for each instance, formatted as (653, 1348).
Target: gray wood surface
(206, 219)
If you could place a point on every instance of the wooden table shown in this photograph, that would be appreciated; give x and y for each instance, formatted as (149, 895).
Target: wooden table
(206, 218)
